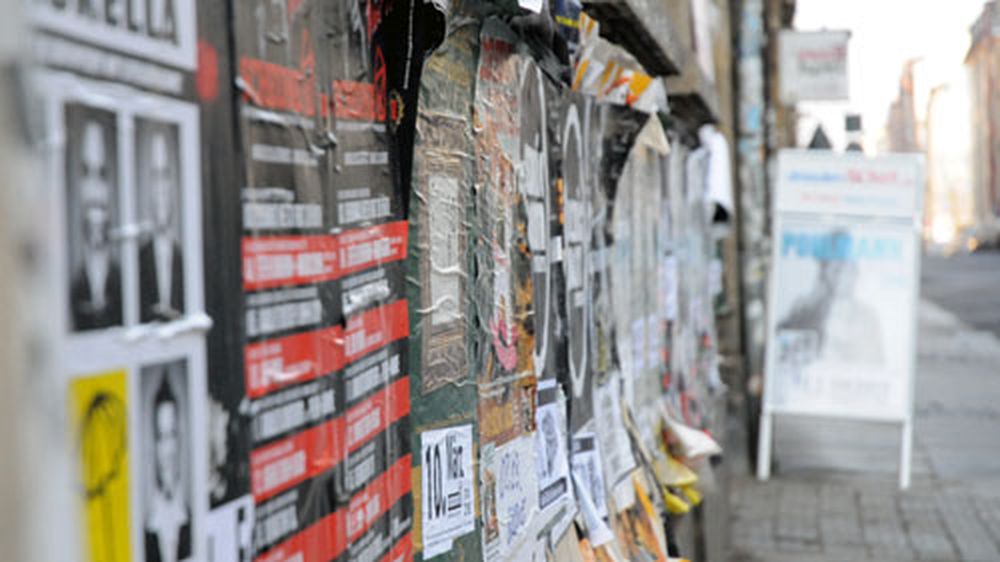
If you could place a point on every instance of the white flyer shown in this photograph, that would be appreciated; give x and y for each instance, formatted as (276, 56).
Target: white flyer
(534, 6)
(229, 530)
(551, 459)
(446, 487)
(509, 491)
(588, 473)
(613, 440)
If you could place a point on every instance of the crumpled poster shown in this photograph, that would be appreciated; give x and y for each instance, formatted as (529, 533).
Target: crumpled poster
(504, 296)
(633, 261)
(439, 286)
(514, 299)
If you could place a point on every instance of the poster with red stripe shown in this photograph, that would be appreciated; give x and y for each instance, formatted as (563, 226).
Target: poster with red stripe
(322, 398)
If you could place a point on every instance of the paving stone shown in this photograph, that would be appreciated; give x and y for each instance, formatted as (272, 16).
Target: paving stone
(989, 514)
(841, 530)
(852, 511)
(838, 498)
(801, 528)
(788, 545)
(885, 537)
(972, 540)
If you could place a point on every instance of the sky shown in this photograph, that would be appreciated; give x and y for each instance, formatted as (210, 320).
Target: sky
(884, 35)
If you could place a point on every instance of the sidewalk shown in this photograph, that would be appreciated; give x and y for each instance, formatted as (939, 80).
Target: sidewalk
(833, 495)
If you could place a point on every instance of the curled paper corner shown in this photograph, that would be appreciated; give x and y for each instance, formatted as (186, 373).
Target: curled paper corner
(598, 532)
(693, 443)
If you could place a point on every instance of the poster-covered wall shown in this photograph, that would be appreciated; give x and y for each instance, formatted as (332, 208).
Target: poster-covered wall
(343, 281)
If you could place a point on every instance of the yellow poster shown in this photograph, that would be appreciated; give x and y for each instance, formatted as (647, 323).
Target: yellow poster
(100, 430)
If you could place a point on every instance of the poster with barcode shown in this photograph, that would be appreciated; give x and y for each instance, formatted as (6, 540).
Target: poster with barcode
(446, 487)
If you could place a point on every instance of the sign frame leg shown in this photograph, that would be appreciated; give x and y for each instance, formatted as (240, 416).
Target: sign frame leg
(906, 454)
(764, 441)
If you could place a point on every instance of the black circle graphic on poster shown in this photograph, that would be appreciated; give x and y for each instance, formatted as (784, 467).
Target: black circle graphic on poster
(576, 257)
(533, 183)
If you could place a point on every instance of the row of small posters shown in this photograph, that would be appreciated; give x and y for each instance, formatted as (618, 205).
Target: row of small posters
(279, 347)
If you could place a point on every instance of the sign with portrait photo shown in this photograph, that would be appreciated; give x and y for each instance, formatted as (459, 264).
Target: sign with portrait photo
(844, 285)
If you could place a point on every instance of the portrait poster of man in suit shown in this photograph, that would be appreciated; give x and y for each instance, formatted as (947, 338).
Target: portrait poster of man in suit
(92, 185)
(161, 261)
(167, 520)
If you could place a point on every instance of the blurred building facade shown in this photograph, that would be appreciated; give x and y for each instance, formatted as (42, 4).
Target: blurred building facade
(931, 115)
(949, 206)
(983, 63)
(902, 129)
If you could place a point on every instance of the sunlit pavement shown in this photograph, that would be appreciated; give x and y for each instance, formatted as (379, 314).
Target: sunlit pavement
(833, 495)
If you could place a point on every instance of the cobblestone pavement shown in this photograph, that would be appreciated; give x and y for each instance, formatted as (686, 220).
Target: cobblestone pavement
(833, 494)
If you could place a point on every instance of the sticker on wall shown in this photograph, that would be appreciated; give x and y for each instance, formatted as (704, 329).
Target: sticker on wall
(99, 408)
(446, 491)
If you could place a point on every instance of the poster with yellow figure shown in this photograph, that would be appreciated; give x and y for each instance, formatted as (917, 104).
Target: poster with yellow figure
(100, 430)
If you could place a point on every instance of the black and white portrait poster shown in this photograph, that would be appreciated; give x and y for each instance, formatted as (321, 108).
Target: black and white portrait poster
(126, 165)
(122, 174)
(165, 462)
(93, 217)
(159, 204)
